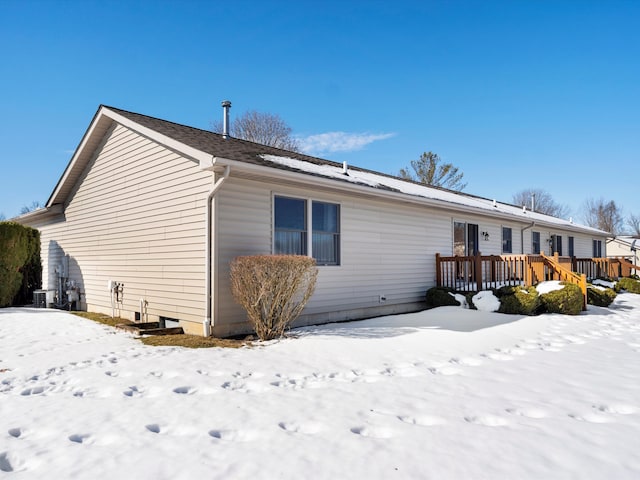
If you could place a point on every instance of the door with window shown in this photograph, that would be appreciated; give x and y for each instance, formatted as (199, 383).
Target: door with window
(556, 244)
(465, 239)
(465, 243)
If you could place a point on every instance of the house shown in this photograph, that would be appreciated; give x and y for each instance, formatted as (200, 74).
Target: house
(624, 246)
(148, 215)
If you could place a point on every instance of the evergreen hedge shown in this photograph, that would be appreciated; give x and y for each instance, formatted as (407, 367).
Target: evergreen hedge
(628, 284)
(519, 300)
(600, 297)
(439, 297)
(20, 266)
(567, 300)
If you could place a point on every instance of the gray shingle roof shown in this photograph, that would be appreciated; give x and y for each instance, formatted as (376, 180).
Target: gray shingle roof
(214, 144)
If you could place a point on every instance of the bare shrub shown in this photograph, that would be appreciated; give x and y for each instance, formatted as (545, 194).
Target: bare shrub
(273, 289)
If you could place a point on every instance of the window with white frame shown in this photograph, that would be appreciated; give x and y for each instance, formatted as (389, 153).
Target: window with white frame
(507, 244)
(293, 219)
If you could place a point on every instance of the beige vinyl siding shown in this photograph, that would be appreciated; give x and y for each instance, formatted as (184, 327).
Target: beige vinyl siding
(136, 216)
(387, 248)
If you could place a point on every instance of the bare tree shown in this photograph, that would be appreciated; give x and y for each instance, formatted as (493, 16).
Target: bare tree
(2, 217)
(430, 171)
(603, 215)
(633, 221)
(35, 205)
(544, 202)
(265, 128)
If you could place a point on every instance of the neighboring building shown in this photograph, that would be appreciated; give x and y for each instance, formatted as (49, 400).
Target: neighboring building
(626, 246)
(163, 208)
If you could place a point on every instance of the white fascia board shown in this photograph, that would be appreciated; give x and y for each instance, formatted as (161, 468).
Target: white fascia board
(39, 214)
(214, 164)
(74, 159)
(193, 153)
(306, 178)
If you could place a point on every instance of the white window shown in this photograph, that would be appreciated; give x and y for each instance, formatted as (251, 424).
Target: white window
(292, 221)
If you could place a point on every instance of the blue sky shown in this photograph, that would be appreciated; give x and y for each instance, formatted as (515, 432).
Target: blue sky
(517, 94)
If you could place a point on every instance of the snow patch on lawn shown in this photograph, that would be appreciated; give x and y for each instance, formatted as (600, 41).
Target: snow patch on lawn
(432, 394)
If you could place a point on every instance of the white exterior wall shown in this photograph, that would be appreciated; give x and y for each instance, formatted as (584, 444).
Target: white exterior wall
(386, 249)
(137, 217)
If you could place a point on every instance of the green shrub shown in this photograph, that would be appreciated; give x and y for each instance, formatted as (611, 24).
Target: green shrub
(628, 284)
(439, 297)
(567, 300)
(20, 269)
(273, 289)
(519, 300)
(600, 297)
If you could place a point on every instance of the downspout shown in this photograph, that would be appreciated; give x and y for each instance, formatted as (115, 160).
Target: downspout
(206, 324)
(522, 236)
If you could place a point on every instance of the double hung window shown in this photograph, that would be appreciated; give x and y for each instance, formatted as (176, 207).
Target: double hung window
(307, 227)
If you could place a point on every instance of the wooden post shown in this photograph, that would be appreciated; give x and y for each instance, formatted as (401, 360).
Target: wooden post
(583, 287)
(438, 272)
(478, 268)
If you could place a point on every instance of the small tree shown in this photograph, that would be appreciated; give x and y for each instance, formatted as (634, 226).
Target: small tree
(633, 221)
(430, 171)
(603, 215)
(273, 289)
(544, 202)
(264, 128)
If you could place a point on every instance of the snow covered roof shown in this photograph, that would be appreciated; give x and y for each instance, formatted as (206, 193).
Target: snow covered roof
(388, 182)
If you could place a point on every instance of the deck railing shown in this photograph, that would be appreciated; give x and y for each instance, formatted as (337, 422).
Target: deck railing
(481, 272)
(605, 267)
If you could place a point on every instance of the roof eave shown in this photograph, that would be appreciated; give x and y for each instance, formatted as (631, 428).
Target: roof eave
(303, 177)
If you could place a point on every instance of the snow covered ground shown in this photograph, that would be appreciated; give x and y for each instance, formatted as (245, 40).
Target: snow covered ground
(445, 393)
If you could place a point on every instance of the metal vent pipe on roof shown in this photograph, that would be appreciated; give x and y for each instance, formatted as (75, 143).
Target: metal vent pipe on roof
(226, 105)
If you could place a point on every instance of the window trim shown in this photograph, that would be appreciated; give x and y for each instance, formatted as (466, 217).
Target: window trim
(308, 224)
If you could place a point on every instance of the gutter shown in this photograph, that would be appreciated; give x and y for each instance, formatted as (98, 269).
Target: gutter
(206, 323)
(522, 236)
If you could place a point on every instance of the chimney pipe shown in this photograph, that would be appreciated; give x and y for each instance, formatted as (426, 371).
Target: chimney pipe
(533, 202)
(226, 105)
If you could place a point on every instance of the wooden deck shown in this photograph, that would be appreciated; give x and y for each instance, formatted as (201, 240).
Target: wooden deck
(482, 272)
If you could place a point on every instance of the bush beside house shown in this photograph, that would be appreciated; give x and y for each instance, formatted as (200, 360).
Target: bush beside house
(630, 285)
(273, 289)
(600, 296)
(519, 300)
(20, 267)
(567, 300)
(440, 297)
